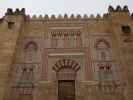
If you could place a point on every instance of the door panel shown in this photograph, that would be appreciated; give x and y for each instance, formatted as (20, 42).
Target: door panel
(66, 90)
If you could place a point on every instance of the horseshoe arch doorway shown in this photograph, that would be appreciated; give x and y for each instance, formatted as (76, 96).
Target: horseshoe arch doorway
(66, 70)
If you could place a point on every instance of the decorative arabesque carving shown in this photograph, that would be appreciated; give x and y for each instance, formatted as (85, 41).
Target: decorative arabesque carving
(110, 87)
(105, 67)
(23, 81)
(103, 50)
(69, 39)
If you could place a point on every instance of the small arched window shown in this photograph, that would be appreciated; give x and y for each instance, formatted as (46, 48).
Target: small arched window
(126, 29)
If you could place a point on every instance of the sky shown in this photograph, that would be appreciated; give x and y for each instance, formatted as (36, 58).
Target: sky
(42, 7)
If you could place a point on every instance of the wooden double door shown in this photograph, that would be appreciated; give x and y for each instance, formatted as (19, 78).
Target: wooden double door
(66, 90)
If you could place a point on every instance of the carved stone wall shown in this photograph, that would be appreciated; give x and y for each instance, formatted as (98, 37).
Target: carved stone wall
(35, 51)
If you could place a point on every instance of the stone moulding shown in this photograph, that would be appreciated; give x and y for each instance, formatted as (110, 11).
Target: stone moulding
(66, 54)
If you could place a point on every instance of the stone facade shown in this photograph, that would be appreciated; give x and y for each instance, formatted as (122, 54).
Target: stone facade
(66, 57)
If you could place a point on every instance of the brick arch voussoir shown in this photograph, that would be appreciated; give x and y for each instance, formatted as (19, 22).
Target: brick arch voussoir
(66, 63)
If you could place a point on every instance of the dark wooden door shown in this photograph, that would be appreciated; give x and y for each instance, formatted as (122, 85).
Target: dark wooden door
(66, 90)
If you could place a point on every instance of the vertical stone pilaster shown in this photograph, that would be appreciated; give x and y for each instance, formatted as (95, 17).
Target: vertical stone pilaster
(88, 73)
(44, 65)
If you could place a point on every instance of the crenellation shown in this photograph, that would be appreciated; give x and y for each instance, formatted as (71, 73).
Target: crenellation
(105, 16)
(72, 16)
(40, 17)
(85, 16)
(98, 16)
(52, 17)
(46, 17)
(125, 8)
(118, 9)
(132, 15)
(9, 12)
(16, 12)
(65, 16)
(79, 16)
(59, 16)
(92, 16)
(110, 9)
(34, 17)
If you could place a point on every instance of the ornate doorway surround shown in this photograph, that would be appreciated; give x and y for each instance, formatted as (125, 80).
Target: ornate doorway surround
(66, 70)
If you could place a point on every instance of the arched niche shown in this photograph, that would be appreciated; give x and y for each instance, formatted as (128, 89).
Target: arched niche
(30, 51)
(103, 49)
(31, 46)
(102, 43)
